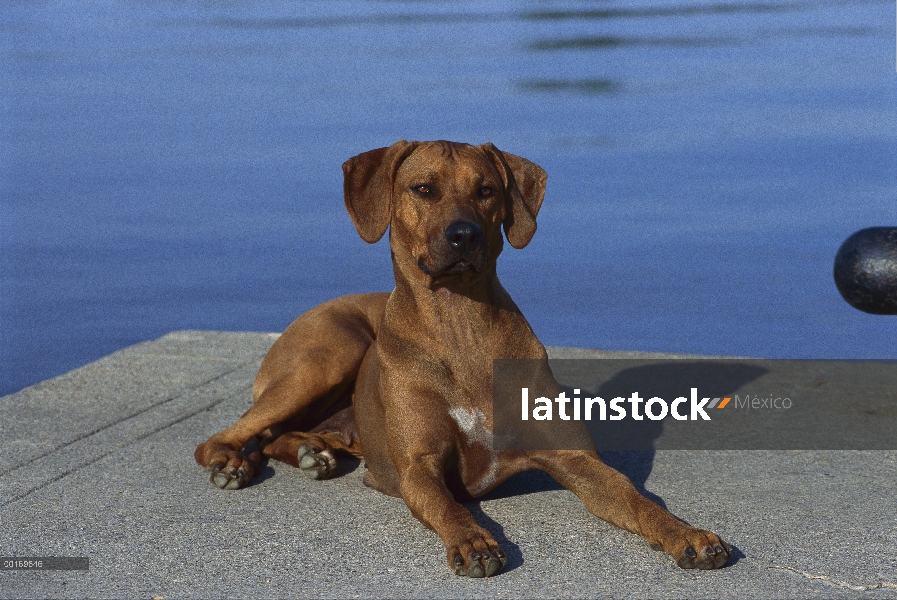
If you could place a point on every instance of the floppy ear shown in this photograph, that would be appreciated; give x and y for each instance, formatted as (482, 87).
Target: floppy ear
(524, 191)
(367, 187)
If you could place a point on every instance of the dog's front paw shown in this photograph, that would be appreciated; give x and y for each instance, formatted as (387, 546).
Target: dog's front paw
(698, 549)
(479, 556)
(315, 463)
(228, 468)
(228, 477)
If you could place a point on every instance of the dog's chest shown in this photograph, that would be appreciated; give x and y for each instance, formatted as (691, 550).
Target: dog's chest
(477, 460)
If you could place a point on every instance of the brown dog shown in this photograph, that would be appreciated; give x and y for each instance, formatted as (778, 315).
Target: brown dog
(405, 379)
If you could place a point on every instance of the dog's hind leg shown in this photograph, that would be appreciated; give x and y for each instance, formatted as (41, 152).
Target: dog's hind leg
(303, 378)
(314, 452)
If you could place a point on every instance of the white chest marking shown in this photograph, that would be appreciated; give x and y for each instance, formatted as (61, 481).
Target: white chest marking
(473, 425)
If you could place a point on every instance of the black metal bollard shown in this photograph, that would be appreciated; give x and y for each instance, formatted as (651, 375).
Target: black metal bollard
(866, 270)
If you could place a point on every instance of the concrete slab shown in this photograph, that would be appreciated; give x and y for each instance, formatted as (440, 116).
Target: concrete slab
(98, 463)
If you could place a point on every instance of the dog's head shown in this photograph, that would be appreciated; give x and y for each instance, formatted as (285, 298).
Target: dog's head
(446, 204)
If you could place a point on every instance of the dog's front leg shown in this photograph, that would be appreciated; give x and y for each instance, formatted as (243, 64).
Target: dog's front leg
(472, 551)
(610, 495)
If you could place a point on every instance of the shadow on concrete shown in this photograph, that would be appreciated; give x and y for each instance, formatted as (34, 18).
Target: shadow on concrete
(515, 556)
(521, 484)
(346, 464)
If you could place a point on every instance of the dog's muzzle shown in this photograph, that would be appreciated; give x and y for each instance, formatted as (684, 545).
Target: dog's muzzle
(466, 250)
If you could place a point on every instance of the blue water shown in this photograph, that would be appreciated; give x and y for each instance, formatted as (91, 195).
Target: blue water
(168, 165)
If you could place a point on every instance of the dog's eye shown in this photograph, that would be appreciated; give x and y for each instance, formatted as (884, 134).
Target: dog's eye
(486, 191)
(423, 190)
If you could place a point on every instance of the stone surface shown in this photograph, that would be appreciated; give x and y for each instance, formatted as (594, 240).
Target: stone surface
(98, 463)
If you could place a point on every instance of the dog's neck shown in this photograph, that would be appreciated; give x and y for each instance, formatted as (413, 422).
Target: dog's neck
(476, 314)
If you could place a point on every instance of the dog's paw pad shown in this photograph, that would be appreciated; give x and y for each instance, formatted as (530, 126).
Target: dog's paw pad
(230, 478)
(314, 463)
(702, 550)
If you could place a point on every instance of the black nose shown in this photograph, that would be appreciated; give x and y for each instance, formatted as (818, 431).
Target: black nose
(464, 236)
